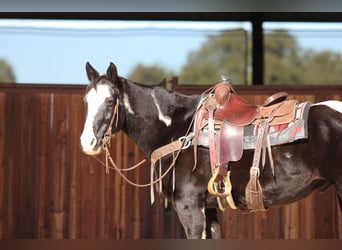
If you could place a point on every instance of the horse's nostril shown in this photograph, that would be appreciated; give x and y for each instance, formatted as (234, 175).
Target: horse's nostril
(92, 142)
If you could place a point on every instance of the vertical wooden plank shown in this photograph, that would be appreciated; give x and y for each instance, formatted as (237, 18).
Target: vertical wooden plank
(88, 199)
(113, 194)
(307, 218)
(246, 226)
(260, 225)
(76, 122)
(14, 167)
(57, 173)
(132, 192)
(101, 204)
(117, 187)
(21, 170)
(137, 193)
(43, 163)
(11, 163)
(268, 226)
(274, 224)
(325, 219)
(291, 213)
(124, 193)
(29, 165)
(2, 163)
(230, 220)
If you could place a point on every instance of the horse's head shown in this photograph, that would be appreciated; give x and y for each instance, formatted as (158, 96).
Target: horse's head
(101, 100)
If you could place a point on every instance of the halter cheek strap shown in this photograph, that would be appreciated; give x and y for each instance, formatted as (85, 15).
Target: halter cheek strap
(108, 134)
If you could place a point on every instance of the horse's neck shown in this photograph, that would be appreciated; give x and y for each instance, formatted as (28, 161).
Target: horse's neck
(155, 116)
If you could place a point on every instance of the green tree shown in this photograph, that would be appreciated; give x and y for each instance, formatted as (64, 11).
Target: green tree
(322, 67)
(222, 54)
(226, 53)
(283, 64)
(287, 63)
(149, 75)
(6, 72)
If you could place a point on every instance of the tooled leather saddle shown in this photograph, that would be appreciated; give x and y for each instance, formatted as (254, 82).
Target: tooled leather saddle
(224, 114)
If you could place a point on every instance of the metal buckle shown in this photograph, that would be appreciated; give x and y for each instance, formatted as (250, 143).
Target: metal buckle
(187, 144)
(255, 171)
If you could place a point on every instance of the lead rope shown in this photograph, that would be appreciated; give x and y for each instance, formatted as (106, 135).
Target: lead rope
(120, 170)
(106, 146)
(108, 159)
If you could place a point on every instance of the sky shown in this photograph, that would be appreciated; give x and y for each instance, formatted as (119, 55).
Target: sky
(51, 51)
(56, 52)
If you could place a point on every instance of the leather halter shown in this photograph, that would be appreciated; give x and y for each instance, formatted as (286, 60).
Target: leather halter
(108, 134)
(106, 145)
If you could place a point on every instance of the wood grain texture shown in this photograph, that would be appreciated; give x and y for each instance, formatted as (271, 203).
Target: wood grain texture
(49, 189)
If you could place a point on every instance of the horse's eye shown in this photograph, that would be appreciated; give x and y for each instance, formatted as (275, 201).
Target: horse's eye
(110, 101)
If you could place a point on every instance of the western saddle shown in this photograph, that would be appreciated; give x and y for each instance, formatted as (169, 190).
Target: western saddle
(223, 115)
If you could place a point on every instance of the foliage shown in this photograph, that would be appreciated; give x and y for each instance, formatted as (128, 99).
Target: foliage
(149, 75)
(227, 53)
(287, 63)
(223, 54)
(323, 67)
(282, 62)
(6, 72)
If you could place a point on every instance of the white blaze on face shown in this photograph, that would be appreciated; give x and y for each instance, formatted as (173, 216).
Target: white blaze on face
(94, 98)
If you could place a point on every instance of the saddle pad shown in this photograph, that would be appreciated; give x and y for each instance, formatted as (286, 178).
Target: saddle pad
(281, 133)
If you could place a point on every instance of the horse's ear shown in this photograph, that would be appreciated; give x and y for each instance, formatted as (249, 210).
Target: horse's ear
(91, 72)
(112, 72)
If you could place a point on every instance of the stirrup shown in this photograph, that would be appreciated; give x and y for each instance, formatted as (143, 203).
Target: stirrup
(222, 189)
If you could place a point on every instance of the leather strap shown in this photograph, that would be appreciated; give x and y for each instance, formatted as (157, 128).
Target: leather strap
(165, 150)
(211, 106)
(253, 192)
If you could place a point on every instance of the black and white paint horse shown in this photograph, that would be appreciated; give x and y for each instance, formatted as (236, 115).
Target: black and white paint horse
(154, 116)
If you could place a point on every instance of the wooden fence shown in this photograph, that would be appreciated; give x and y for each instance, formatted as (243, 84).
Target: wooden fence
(50, 189)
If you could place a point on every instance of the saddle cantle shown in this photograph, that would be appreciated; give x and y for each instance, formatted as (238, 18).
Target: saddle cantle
(225, 114)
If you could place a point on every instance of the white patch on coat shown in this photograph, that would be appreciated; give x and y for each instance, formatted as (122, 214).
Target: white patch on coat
(335, 105)
(288, 155)
(204, 234)
(94, 98)
(127, 104)
(163, 118)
